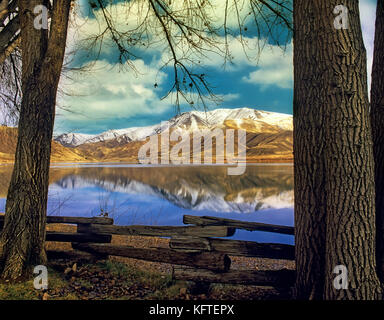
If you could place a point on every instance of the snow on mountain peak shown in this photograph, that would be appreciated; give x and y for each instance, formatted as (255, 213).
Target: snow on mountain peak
(218, 116)
(73, 139)
(192, 120)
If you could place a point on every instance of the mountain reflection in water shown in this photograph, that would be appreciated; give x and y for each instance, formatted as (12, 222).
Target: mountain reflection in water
(162, 195)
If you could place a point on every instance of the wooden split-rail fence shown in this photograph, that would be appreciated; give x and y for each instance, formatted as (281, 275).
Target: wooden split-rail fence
(197, 251)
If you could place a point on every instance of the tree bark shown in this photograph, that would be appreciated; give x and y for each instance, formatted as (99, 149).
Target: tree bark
(25, 219)
(309, 159)
(377, 120)
(334, 171)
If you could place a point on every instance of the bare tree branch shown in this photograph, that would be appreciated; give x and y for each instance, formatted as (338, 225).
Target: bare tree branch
(9, 49)
(8, 33)
(186, 30)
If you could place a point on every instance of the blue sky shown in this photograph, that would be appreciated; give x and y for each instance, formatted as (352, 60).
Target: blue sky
(111, 96)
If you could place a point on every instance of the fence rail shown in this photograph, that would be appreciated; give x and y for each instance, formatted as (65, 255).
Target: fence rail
(237, 224)
(274, 278)
(196, 251)
(235, 247)
(158, 231)
(208, 260)
(71, 220)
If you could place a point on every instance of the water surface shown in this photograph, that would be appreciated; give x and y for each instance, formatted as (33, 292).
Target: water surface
(161, 195)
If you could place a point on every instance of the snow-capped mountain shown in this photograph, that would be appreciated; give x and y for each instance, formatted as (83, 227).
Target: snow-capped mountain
(196, 119)
(190, 121)
(73, 139)
(125, 135)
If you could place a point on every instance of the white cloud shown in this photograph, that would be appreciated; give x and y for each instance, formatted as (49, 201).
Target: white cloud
(271, 66)
(275, 68)
(136, 18)
(130, 15)
(230, 97)
(107, 92)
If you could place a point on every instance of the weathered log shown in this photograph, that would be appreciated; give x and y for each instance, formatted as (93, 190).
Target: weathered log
(235, 247)
(250, 226)
(161, 231)
(273, 278)
(74, 255)
(77, 237)
(73, 220)
(206, 260)
(80, 220)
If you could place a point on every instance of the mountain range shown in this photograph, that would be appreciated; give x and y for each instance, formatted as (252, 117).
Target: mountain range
(269, 137)
(242, 118)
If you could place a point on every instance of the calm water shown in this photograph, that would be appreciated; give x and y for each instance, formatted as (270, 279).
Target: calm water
(162, 195)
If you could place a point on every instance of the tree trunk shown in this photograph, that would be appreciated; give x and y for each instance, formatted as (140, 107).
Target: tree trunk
(309, 159)
(334, 173)
(377, 120)
(42, 58)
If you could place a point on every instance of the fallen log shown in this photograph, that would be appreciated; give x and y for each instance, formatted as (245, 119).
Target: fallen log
(235, 247)
(206, 260)
(77, 237)
(273, 278)
(160, 231)
(250, 226)
(80, 220)
(73, 220)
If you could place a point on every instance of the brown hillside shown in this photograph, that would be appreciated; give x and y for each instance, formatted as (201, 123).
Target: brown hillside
(8, 140)
(265, 143)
